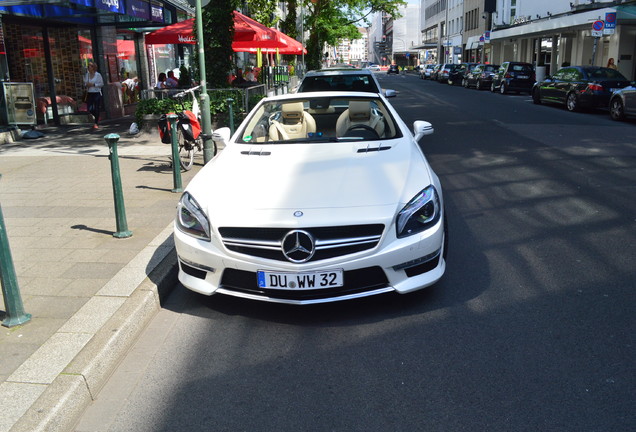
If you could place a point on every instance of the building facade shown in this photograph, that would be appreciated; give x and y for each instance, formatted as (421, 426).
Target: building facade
(49, 44)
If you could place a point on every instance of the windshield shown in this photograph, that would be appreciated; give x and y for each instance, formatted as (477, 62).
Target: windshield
(339, 82)
(319, 119)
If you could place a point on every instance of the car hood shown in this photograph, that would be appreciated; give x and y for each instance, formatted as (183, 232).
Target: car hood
(252, 185)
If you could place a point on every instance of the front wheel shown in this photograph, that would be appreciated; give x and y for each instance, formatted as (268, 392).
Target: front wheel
(536, 98)
(502, 88)
(186, 152)
(492, 87)
(572, 103)
(617, 110)
(478, 85)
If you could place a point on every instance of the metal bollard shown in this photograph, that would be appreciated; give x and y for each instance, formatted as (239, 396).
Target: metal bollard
(120, 209)
(10, 290)
(176, 165)
(231, 112)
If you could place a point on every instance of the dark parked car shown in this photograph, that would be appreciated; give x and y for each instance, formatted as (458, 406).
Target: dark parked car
(623, 103)
(393, 69)
(456, 75)
(513, 76)
(579, 87)
(445, 71)
(480, 77)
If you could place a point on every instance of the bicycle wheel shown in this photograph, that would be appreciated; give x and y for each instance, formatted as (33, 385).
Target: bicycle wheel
(186, 152)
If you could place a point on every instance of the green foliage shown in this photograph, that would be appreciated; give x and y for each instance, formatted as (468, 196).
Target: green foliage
(263, 11)
(218, 33)
(160, 106)
(330, 21)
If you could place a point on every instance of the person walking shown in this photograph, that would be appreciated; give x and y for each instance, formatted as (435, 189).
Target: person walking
(94, 82)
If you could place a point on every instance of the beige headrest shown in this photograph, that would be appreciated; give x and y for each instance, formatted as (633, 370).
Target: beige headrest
(359, 110)
(293, 110)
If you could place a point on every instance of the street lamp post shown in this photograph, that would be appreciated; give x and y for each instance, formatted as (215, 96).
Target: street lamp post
(208, 147)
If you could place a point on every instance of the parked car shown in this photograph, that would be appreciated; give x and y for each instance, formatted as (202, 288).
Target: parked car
(345, 205)
(480, 77)
(435, 71)
(445, 71)
(426, 70)
(513, 76)
(393, 69)
(344, 79)
(374, 68)
(623, 103)
(456, 75)
(579, 87)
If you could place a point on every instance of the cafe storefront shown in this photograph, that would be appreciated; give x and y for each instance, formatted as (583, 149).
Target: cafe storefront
(49, 44)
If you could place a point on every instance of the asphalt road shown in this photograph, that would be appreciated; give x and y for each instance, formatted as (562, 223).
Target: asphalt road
(531, 329)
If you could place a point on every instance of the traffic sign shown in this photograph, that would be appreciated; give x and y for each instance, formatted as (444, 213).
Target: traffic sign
(597, 28)
(610, 23)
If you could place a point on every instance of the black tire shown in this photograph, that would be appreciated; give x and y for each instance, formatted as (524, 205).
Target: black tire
(186, 152)
(478, 85)
(502, 88)
(617, 109)
(492, 87)
(572, 102)
(465, 83)
(536, 98)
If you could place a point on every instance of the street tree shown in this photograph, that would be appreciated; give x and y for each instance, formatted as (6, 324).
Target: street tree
(330, 21)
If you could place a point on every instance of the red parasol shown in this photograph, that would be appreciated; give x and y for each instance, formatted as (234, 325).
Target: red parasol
(248, 34)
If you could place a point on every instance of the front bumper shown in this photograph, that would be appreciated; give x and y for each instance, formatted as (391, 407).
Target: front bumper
(395, 265)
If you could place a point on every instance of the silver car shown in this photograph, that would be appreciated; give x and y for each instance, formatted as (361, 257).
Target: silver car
(623, 103)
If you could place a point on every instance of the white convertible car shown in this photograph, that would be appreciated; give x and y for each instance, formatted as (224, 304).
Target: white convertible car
(317, 197)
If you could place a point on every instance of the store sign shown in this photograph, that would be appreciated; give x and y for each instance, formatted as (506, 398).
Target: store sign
(116, 6)
(138, 9)
(487, 36)
(156, 13)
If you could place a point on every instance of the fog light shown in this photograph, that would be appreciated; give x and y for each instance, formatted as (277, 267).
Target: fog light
(417, 261)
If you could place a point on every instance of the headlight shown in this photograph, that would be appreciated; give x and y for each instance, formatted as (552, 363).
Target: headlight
(419, 214)
(191, 219)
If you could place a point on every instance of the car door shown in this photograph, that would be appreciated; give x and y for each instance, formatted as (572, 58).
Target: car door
(630, 100)
(571, 78)
(473, 76)
(548, 87)
(500, 74)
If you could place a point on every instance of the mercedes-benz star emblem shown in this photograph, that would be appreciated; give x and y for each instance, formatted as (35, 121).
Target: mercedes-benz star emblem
(298, 246)
(298, 213)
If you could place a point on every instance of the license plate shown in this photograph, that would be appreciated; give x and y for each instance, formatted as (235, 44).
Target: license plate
(305, 280)
(522, 76)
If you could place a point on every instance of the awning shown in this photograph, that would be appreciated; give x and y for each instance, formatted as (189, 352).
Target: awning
(552, 25)
(249, 35)
(473, 42)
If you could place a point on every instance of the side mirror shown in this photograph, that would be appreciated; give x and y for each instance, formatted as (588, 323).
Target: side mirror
(389, 93)
(421, 128)
(221, 137)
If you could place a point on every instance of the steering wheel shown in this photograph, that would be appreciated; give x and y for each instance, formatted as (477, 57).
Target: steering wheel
(369, 132)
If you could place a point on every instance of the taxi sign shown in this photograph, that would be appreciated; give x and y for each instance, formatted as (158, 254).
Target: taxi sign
(610, 23)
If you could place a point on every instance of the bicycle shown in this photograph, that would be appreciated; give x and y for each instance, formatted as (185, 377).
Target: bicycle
(189, 136)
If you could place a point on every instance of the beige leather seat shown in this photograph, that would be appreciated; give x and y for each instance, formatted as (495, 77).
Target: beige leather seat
(296, 123)
(359, 113)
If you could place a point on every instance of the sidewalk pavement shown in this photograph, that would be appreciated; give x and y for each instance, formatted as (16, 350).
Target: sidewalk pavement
(88, 292)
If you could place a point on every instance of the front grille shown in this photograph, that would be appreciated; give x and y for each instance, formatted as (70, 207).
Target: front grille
(355, 281)
(330, 241)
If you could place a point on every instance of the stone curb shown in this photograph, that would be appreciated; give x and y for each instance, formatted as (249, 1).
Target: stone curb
(61, 405)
